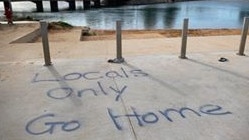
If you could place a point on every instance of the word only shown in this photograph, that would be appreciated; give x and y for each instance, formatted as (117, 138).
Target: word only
(61, 93)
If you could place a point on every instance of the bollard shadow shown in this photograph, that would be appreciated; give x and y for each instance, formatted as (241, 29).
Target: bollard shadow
(219, 69)
(159, 81)
(63, 84)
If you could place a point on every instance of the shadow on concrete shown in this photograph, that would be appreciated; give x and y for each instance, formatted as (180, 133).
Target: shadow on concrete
(64, 84)
(161, 82)
(28, 38)
(220, 69)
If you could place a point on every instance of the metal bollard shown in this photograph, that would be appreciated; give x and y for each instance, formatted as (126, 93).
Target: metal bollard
(119, 58)
(44, 34)
(119, 40)
(243, 36)
(184, 39)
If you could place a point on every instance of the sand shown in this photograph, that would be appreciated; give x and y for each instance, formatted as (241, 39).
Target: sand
(65, 43)
(63, 35)
(168, 33)
(11, 33)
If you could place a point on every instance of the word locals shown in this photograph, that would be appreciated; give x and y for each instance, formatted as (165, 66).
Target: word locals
(93, 75)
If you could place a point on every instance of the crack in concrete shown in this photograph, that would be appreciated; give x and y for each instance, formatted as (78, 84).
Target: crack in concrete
(126, 111)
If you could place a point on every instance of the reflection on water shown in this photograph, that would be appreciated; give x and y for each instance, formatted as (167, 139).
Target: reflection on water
(169, 14)
(243, 14)
(201, 14)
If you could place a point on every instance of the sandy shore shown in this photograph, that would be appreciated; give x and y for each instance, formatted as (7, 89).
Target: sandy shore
(10, 33)
(63, 35)
(66, 43)
(168, 33)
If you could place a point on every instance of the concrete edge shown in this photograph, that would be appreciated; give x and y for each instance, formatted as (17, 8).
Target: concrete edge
(28, 38)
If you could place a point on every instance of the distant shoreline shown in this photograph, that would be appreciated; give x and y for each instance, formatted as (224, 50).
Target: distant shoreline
(201, 14)
(146, 2)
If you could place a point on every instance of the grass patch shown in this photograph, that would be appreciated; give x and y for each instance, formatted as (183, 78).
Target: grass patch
(60, 25)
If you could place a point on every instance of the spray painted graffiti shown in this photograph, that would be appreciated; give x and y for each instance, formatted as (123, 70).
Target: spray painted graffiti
(142, 119)
(61, 93)
(93, 75)
(51, 126)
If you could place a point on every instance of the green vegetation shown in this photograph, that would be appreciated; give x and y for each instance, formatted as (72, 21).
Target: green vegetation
(59, 25)
(21, 18)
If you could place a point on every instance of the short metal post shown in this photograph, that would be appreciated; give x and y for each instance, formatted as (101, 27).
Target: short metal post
(44, 34)
(243, 36)
(184, 39)
(119, 40)
(119, 58)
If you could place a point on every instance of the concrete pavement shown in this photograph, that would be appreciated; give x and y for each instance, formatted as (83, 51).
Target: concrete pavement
(153, 95)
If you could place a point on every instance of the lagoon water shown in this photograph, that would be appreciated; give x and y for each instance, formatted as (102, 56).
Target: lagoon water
(201, 14)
